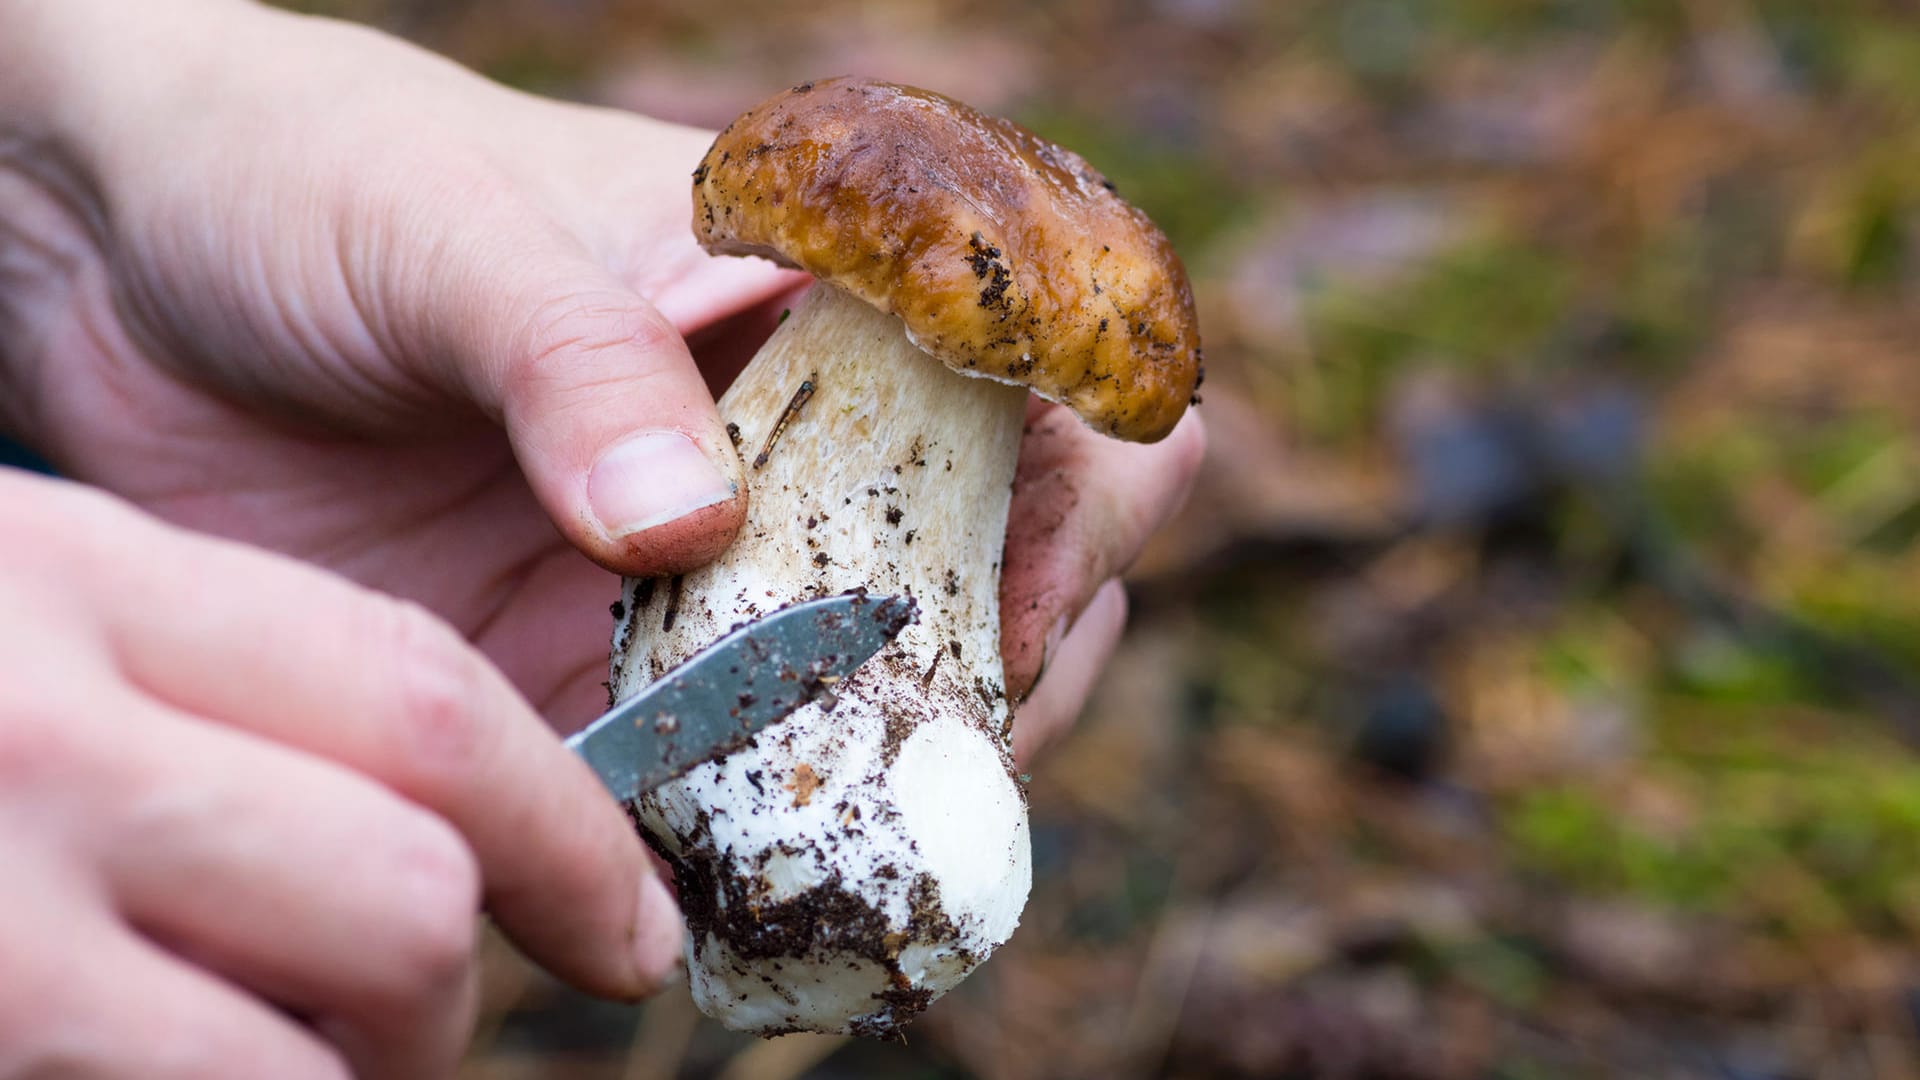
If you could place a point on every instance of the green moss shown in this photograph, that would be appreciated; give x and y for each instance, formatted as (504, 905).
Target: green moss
(1763, 806)
(1488, 308)
(1863, 600)
(1881, 57)
(1713, 666)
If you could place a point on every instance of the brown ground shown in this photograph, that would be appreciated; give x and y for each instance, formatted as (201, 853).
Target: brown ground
(1528, 691)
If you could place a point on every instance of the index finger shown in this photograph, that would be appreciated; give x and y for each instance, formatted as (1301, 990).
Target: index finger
(310, 660)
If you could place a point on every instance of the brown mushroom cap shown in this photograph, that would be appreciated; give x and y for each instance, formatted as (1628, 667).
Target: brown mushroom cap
(1006, 256)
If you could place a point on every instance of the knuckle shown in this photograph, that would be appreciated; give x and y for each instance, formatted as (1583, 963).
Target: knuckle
(586, 322)
(437, 691)
(439, 913)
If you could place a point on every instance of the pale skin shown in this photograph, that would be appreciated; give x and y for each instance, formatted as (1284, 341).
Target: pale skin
(348, 334)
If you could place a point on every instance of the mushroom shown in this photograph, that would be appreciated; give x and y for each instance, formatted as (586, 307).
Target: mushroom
(858, 860)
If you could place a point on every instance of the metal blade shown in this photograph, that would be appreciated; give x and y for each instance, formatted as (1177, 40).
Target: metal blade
(718, 700)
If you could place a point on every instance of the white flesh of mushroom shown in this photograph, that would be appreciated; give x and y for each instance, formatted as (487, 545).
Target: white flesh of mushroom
(855, 862)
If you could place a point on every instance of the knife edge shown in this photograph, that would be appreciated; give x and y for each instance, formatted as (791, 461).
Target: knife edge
(718, 700)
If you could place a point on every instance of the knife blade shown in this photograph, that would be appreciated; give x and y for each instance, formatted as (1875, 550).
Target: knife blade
(757, 674)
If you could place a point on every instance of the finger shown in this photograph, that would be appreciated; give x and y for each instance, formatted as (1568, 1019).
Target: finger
(306, 659)
(716, 288)
(724, 348)
(309, 885)
(632, 204)
(607, 413)
(160, 1019)
(83, 998)
(1083, 506)
(1073, 664)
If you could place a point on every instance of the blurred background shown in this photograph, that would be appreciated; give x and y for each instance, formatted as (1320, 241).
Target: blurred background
(1531, 688)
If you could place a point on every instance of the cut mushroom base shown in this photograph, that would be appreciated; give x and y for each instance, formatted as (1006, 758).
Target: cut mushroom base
(860, 858)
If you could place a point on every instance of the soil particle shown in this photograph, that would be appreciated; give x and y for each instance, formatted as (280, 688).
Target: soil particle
(804, 783)
(901, 723)
(903, 1003)
(828, 919)
(994, 278)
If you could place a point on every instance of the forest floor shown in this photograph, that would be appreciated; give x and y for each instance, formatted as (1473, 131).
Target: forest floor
(1531, 687)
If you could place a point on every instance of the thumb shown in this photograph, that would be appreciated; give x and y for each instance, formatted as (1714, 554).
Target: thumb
(607, 413)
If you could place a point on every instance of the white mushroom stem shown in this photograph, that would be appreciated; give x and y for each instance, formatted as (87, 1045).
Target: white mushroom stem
(858, 860)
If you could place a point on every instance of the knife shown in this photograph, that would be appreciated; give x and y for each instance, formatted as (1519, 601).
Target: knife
(714, 703)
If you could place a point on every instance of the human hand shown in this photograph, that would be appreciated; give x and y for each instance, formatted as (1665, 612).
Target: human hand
(289, 285)
(288, 281)
(236, 848)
